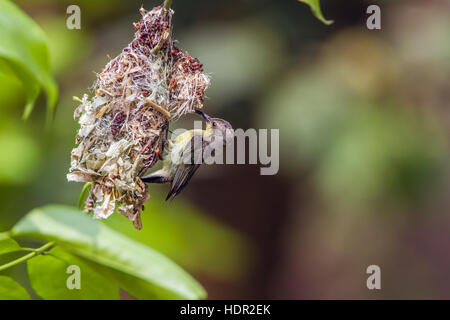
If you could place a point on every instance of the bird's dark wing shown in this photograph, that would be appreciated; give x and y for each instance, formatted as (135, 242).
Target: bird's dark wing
(192, 158)
(183, 175)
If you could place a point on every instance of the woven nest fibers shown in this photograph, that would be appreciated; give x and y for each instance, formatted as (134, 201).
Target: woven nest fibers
(150, 83)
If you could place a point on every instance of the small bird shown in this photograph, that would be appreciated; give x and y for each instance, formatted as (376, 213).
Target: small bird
(186, 153)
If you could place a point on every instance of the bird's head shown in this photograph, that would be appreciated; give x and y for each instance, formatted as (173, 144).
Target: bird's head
(218, 127)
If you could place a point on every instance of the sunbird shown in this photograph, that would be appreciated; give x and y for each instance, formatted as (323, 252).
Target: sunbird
(186, 153)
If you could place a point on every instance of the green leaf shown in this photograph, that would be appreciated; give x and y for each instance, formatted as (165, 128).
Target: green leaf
(179, 231)
(7, 244)
(24, 48)
(159, 277)
(315, 7)
(11, 290)
(83, 195)
(133, 285)
(49, 277)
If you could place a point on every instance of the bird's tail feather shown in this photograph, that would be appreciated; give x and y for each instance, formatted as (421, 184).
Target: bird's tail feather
(154, 179)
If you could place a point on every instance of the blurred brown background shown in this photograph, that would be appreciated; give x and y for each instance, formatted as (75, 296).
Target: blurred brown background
(364, 128)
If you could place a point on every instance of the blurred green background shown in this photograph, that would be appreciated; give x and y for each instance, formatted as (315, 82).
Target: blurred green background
(364, 130)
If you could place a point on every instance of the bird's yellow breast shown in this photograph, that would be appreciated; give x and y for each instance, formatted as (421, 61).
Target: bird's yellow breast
(186, 137)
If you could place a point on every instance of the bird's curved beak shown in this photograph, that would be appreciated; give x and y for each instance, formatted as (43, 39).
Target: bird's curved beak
(204, 115)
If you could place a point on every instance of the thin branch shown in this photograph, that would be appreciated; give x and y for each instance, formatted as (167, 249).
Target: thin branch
(28, 256)
(158, 108)
(165, 36)
(167, 4)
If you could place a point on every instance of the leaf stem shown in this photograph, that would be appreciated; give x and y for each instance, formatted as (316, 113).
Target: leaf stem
(28, 249)
(28, 256)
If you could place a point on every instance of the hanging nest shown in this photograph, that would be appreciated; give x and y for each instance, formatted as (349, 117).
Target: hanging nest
(122, 127)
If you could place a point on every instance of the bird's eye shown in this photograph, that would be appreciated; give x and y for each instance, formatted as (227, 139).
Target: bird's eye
(214, 124)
